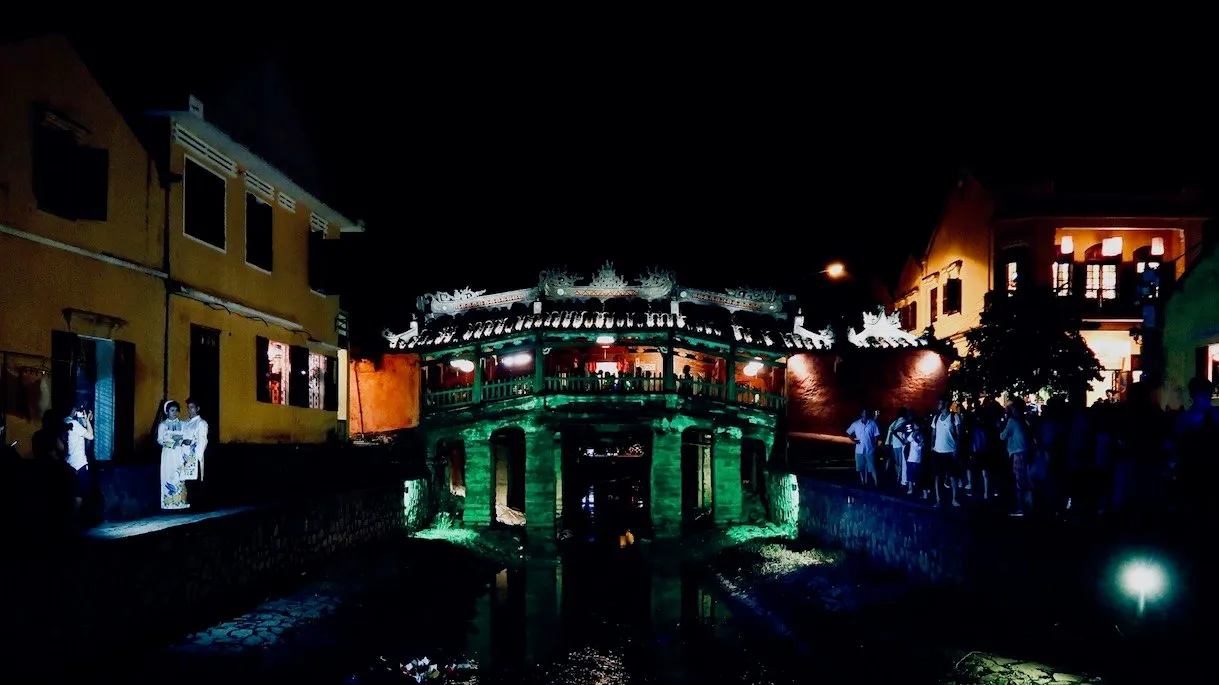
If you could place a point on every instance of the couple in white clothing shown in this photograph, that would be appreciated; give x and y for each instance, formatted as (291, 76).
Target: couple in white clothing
(183, 444)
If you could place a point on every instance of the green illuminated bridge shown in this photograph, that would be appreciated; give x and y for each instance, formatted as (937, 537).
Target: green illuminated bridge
(659, 398)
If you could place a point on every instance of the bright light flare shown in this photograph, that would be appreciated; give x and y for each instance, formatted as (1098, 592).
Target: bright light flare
(1143, 580)
(462, 365)
(836, 270)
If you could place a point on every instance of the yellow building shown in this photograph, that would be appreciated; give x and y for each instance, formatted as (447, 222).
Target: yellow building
(183, 267)
(946, 286)
(82, 284)
(1088, 245)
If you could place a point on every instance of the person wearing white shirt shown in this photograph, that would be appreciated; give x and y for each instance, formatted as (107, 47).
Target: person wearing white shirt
(895, 440)
(945, 429)
(865, 434)
(194, 432)
(80, 429)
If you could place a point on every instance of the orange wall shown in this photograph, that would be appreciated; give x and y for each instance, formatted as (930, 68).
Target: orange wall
(386, 398)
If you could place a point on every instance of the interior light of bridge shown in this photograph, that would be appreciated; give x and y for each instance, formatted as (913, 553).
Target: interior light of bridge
(462, 365)
(1067, 246)
(519, 359)
(753, 368)
(1157, 247)
(605, 340)
(1111, 247)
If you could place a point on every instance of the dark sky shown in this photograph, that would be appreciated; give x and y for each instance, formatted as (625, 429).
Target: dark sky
(477, 162)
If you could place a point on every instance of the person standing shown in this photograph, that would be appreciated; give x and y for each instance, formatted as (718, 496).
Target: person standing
(80, 429)
(865, 434)
(170, 435)
(945, 459)
(194, 443)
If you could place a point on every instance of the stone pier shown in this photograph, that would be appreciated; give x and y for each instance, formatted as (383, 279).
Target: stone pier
(726, 478)
(480, 476)
(542, 451)
(666, 481)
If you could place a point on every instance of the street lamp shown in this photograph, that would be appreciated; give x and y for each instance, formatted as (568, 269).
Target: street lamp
(834, 270)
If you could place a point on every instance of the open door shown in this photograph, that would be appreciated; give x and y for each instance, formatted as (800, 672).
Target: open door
(205, 376)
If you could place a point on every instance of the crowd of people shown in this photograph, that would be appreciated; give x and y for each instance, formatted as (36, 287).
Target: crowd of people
(1051, 459)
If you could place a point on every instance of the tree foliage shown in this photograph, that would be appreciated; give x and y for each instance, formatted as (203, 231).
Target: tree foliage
(1026, 342)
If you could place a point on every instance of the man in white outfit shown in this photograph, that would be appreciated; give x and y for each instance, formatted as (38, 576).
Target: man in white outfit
(80, 429)
(865, 434)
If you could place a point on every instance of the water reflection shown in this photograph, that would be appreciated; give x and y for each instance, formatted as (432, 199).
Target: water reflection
(592, 618)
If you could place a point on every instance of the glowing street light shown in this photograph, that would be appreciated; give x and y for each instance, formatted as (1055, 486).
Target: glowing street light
(1143, 580)
(835, 270)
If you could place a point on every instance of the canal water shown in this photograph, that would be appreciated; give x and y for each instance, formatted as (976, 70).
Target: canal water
(590, 615)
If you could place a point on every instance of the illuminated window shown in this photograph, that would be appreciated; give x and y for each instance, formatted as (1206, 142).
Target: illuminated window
(935, 311)
(317, 381)
(1143, 266)
(1061, 278)
(1157, 247)
(610, 368)
(274, 369)
(1013, 274)
(1067, 246)
(1101, 282)
(1111, 247)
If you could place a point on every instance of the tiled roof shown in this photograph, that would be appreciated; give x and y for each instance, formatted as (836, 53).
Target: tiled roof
(756, 332)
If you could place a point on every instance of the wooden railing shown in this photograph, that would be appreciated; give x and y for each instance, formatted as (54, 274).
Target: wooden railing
(608, 385)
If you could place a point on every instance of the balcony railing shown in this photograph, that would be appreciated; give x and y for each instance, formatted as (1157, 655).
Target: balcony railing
(606, 385)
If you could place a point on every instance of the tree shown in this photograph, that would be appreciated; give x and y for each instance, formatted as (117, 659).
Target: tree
(1027, 342)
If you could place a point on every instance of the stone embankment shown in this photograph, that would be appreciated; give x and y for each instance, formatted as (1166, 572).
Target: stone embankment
(836, 608)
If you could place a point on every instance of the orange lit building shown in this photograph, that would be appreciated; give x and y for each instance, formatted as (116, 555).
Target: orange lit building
(1087, 245)
(534, 401)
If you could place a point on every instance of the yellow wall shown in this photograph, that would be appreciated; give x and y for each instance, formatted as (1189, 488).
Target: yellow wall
(962, 235)
(284, 292)
(37, 282)
(242, 417)
(1191, 320)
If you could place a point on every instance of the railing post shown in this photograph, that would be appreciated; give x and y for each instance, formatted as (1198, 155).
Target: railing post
(477, 390)
(670, 379)
(539, 366)
(730, 373)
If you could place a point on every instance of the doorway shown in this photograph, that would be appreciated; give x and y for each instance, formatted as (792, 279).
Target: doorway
(697, 488)
(508, 469)
(607, 483)
(205, 376)
(98, 375)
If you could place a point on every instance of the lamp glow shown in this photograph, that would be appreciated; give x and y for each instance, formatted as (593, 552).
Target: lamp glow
(605, 340)
(1143, 580)
(835, 270)
(519, 359)
(752, 368)
(462, 365)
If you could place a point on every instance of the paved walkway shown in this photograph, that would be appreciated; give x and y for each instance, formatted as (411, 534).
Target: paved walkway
(114, 530)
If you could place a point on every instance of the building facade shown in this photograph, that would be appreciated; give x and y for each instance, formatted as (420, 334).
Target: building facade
(1093, 247)
(151, 260)
(541, 405)
(1191, 331)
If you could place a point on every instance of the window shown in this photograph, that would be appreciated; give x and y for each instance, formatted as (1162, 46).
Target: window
(935, 296)
(317, 381)
(319, 263)
(1157, 247)
(69, 180)
(273, 370)
(1061, 278)
(912, 316)
(1101, 282)
(1013, 275)
(1111, 247)
(952, 296)
(259, 245)
(298, 390)
(204, 204)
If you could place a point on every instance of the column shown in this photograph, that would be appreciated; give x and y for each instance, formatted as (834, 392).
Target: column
(730, 376)
(476, 393)
(666, 481)
(540, 485)
(480, 476)
(670, 377)
(539, 366)
(726, 465)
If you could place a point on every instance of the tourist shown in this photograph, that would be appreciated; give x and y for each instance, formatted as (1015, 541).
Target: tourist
(170, 436)
(945, 459)
(914, 455)
(1018, 438)
(865, 434)
(80, 430)
(895, 445)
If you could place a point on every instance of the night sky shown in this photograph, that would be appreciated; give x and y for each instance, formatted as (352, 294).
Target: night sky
(476, 163)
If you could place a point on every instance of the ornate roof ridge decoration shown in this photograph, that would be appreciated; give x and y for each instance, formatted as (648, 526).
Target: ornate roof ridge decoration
(755, 300)
(883, 330)
(606, 284)
(823, 340)
(400, 341)
(466, 299)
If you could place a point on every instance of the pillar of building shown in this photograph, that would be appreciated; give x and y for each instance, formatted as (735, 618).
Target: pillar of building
(480, 476)
(726, 475)
(666, 481)
(541, 451)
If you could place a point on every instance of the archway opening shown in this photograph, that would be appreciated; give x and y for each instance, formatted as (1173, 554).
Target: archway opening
(508, 471)
(753, 479)
(607, 483)
(697, 479)
(448, 489)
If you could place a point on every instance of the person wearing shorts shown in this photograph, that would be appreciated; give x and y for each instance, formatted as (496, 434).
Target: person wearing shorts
(865, 434)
